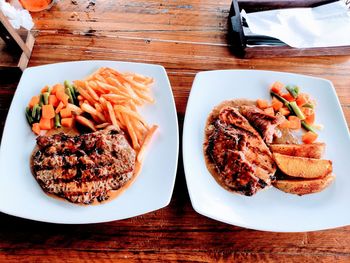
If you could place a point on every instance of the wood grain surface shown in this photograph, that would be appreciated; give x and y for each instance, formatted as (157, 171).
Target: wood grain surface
(185, 37)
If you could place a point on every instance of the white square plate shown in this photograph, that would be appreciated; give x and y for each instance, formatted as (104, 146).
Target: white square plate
(271, 209)
(21, 195)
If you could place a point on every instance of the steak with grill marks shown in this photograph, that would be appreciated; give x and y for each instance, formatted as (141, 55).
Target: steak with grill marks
(83, 168)
(235, 153)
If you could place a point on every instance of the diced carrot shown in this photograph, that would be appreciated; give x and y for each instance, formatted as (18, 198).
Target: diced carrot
(310, 119)
(45, 124)
(288, 97)
(67, 122)
(309, 137)
(294, 123)
(36, 128)
(59, 107)
(53, 100)
(277, 87)
(284, 111)
(66, 113)
(307, 111)
(62, 96)
(302, 99)
(56, 88)
(45, 89)
(262, 104)
(269, 111)
(276, 104)
(33, 101)
(48, 112)
(285, 124)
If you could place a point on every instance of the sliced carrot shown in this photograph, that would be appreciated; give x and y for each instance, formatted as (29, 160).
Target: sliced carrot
(302, 99)
(33, 101)
(285, 124)
(66, 113)
(307, 111)
(56, 88)
(269, 111)
(310, 119)
(36, 128)
(277, 87)
(45, 124)
(288, 97)
(45, 89)
(294, 123)
(262, 104)
(309, 137)
(67, 122)
(59, 107)
(48, 112)
(62, 96)
(276, 104)
(284, 111)
(53, 100)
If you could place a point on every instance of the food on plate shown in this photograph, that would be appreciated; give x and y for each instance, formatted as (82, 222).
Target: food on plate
(303, 167)
(313, 150)
(263, 122)
(83, 168)
(235, 153)
(304, 186)
(241, 134)
(110, 135)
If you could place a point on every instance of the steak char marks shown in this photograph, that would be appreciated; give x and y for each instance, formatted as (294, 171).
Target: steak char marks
(83, 168)
(235, 153)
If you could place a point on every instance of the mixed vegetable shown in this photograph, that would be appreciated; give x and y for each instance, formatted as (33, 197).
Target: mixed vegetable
(298, 109)
(53, 107)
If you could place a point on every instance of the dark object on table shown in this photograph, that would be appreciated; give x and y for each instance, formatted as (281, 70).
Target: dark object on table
(248, 46)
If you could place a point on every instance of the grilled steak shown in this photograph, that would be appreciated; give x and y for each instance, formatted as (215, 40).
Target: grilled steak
(264, 123)
(235, 153)
(83, 168)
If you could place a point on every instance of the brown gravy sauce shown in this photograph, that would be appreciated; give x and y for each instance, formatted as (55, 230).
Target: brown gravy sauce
(112, 194)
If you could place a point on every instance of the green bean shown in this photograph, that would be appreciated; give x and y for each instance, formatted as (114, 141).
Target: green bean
(294, 91)
(67, 91)
(46, 97)
(285, 102)
(57, 121)
(308, 127)
(29, 116)
(297, 110)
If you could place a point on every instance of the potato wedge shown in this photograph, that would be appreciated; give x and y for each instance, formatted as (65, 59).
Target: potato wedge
(313, 150)
(303, 167)
(304, 186)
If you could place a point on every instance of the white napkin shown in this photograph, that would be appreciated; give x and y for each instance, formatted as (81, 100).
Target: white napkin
(323, 26)
(18, 18)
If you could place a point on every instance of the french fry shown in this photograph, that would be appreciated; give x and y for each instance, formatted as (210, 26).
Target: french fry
(97, 88)
(98, 107)
(74, 108)
(86, 95)
(102, 125)
(91, 110)
(147, 140)
(91, 92)
(132, 134)
(112, 115)
(86, 122)
(130, 113)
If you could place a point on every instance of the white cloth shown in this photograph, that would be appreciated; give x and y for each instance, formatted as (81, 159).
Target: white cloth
(323, 26)
(18, 18)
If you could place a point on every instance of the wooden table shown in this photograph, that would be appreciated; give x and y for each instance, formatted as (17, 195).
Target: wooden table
(185, 37)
